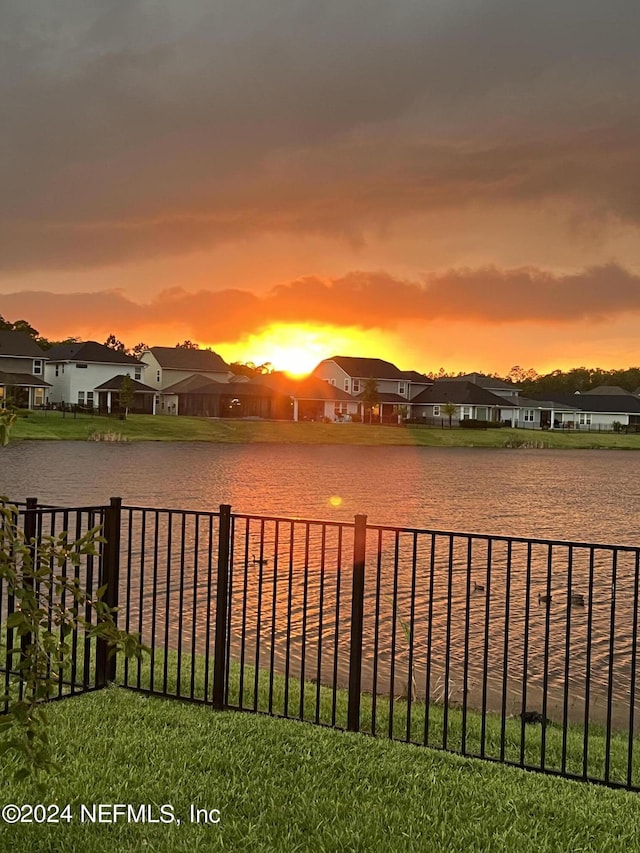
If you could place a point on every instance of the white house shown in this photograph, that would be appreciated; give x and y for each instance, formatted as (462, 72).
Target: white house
(76, 370)
(599, 408)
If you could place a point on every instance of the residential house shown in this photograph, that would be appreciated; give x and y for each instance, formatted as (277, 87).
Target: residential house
(170, 366)
(110, 400)
(78, 372)
(600, 408)
(22, 368)
(537, 414)
(472, 402)
(198, 396)
(396, 388)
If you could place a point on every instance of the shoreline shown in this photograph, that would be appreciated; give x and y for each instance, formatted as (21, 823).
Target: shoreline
(52, 426)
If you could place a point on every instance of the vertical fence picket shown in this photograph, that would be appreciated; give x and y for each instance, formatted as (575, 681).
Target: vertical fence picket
(357, 617)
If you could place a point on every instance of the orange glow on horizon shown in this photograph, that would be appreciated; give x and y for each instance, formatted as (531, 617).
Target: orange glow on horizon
(298, 348)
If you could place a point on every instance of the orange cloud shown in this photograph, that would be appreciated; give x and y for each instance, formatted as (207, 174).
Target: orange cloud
(365, 300)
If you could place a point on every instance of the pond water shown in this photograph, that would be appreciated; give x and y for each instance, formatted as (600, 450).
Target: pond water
(588, 495)
(581, 496)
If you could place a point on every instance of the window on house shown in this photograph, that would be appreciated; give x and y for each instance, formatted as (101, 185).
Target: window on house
(57, 369)
(340, 409)
(355, 388)
(528, 415)
(346, 384)
(90, 399)
(436, 411)
(137, 373)
(62, 368)
(81, 366)
(584, 418)
(402, 387)
(38, 397)
(37, 366)
(157, 376)
(81, 398)
(465, 413)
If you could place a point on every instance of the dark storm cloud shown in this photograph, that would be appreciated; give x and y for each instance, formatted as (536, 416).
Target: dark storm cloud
(364, 299)
(136, 129)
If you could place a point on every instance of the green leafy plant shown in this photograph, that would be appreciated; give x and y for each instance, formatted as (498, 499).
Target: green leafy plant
(41, 576)
(7, 419)
(49, 606)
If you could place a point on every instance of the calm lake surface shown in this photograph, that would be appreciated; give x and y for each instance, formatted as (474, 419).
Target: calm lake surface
(591, 495)
(581, 496)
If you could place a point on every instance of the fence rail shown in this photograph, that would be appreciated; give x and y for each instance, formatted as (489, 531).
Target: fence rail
(521, 651)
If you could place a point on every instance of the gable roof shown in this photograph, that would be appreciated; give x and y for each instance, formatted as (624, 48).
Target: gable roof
(610, 390)
(19, 345)
(193, 384)
(606, 403)
(177, 358)
(90, 351)
(484, 381)
(115, 384)
(460, 392)
(23, 380)
(366, 368)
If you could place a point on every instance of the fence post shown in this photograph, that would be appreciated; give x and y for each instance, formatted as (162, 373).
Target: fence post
(357, 616)
(30, 532)
(109, 576)
(222, 586)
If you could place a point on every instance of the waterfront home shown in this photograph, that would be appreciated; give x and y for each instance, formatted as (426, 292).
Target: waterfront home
(537, 414)
(169, 365)
(600, 408)
(395, 388)
(22, 381)
(472, 402)
(109, 399)
(75, 372)
(200, 396)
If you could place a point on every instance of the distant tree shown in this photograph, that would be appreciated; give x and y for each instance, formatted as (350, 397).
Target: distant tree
(370, 396)
(449, 409)
(114, 343)
(244, 368)
(138, 349)
(126, 395)
(45, 344)
(187, 345)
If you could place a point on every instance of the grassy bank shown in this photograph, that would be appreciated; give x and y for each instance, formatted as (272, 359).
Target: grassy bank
(52, 426)
(286, 786)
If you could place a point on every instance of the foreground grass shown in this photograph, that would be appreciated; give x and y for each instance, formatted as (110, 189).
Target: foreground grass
(51, 425)
(287, 786)
(469, 733)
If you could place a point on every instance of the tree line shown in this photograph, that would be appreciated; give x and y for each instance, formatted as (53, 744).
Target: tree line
(527, 380)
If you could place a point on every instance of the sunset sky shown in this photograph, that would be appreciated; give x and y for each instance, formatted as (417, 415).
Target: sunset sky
(448, 183)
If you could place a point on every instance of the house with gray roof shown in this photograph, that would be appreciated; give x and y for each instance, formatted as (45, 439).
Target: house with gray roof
(22, 367)
(395, 388)
(472, 402)
(77, 372)
(596, 409)
(169, 366)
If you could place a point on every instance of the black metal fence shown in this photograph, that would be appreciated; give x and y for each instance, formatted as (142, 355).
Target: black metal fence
(521, 651)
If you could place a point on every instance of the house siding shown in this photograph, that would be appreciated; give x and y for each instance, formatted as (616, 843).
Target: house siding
(65, 386)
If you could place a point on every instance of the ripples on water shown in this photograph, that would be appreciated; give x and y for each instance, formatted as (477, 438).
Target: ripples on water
(578, 495)
(290, 604)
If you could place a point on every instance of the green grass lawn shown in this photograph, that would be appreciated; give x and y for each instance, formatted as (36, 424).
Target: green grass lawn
(51, 425)
(286, 786)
